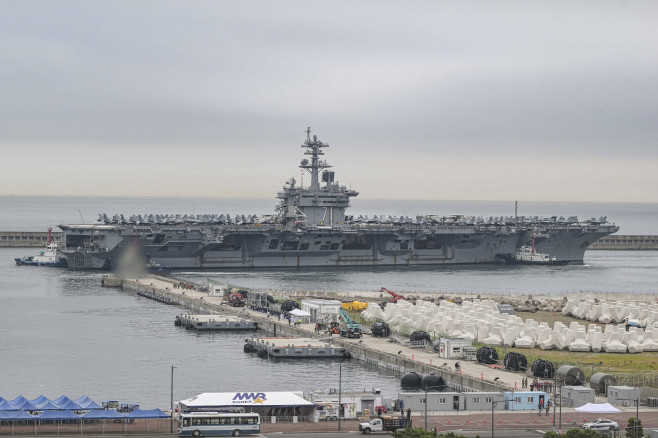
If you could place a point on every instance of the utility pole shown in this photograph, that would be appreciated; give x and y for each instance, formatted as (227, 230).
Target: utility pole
(171, 417)
(493, 404)
(340, 390)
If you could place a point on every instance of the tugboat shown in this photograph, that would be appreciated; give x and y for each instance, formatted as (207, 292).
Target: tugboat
(47, 257)
(526, 255)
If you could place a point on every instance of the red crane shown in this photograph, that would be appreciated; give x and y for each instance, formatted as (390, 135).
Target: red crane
(396, 297)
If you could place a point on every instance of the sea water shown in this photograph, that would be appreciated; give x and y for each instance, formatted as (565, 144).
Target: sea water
(62, 333)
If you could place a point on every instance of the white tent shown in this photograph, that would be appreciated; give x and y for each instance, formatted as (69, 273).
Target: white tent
(300, 315)
(598, 408)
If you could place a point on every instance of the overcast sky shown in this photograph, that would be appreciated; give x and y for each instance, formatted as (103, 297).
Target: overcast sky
(456, 100)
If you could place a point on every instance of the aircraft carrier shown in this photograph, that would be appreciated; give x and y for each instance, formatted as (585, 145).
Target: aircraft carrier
(310, 228)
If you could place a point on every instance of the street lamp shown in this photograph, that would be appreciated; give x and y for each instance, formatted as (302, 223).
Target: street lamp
(426, 390)
(493, 405)
(340, 388)
(171, 419)
(637, 412)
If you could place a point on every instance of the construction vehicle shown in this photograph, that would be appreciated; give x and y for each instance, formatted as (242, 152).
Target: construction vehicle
(350, 328)
(384, 424)
(395, 299)
(236, 299)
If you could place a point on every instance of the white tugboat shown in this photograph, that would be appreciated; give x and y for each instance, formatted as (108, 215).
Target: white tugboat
(48, 257)
(526, 255)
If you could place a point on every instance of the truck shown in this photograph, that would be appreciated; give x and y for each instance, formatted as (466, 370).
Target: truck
(350, 329)
(384, 424)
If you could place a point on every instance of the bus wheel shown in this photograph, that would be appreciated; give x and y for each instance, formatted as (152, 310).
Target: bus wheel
(196, 433)
(236, 432)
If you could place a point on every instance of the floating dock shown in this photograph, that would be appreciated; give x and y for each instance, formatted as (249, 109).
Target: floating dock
(203, 323)
(294, 348)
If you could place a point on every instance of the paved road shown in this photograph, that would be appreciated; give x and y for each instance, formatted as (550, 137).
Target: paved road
(507, 433)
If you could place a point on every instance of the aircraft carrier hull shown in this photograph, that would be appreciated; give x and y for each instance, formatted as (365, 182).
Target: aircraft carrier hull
(258, 251)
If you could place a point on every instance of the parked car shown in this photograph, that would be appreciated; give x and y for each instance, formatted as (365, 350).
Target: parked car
(601, 424)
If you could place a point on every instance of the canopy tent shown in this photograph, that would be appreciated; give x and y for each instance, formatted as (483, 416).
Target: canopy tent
(48, 406)
(598, 408)
(24, 405)
(42, 403)
(58, 415)
(18, 400)
(102, 414)
(146, 413)
(16, 415)
(86, 403)
(69, 404)
(299, 312)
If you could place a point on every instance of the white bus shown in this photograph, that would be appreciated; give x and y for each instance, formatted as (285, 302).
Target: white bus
(200, 424)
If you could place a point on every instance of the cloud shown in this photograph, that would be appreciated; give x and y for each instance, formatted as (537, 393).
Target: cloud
(199, 83)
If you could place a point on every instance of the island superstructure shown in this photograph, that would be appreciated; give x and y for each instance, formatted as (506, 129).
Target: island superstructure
(310, 228)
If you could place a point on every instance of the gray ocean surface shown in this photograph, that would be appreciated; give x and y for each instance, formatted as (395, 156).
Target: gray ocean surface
(62, 333)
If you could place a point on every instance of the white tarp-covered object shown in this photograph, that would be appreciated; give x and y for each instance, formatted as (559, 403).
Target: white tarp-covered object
(598, 408)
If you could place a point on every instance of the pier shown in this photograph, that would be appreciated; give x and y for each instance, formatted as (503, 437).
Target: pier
(378, 352)
(204, 323)
(294, 348)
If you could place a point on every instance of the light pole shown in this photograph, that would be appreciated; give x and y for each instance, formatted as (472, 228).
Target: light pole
(171, 419)
(493, 405)
(560, 428)
(637, 412)
(426, 390)
(637, 415)
(340, 390)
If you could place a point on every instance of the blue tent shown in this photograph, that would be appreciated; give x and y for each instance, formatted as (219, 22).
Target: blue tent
(58, 415)
(17, 415)
(24, 405)
(82, 400)
(87, 403)
(68, 404)
(5, 405)
(18, 400)
(146, 413)
(102, 414)
(40, 401)
(48, 406)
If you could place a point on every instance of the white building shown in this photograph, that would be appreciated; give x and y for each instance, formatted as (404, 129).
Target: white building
(354, 403)
(453, 348)
(322, 310)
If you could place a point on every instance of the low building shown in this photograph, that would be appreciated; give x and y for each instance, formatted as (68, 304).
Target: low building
(322, 310)
(451, 401)
(353, 403)
(217, 290)
(453, 348)
(525, 400)
(623, 395)
(267, 404)
(576, 396)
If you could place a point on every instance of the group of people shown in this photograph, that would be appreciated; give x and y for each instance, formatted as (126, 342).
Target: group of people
(537, 385)
(547, 407)
(185, 285)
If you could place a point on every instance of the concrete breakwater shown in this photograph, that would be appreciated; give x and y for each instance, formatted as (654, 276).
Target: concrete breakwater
(26, 239)
(378, 352)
